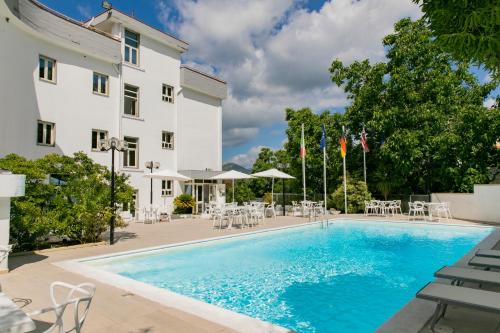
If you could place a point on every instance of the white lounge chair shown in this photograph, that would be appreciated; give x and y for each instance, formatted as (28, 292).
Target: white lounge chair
(417, 208)
(79, 297)
(445, 295)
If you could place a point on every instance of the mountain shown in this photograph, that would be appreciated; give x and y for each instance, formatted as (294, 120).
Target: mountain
(233, 166)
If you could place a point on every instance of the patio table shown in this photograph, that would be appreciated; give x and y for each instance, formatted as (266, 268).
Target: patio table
(12, 318)
(430, 207)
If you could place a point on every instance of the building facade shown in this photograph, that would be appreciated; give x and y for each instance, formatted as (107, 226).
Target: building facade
(65, 85)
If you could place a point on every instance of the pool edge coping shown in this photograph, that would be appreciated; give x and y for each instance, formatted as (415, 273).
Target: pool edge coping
(212, 313)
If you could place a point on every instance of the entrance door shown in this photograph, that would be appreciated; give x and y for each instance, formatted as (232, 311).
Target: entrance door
(198, 190)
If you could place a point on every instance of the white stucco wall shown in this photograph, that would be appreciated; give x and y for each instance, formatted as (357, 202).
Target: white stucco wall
(200, 117)
(69, 103)
(76, 110)
(482, 205)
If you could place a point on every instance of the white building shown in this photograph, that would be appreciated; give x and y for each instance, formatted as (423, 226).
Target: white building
(65, 84)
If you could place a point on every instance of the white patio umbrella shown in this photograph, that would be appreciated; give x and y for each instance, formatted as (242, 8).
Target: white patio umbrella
(231, 175)
(166, 174)
(273, 173)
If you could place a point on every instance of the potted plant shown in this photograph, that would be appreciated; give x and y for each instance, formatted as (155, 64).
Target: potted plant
(184, 204)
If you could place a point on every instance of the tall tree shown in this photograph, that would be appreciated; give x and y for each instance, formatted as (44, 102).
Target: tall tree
(424, 114)
(469, 30)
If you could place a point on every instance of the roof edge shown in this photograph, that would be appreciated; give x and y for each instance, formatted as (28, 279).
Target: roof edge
(204, 74)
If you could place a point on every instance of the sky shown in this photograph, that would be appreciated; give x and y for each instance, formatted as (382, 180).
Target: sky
(273, 54)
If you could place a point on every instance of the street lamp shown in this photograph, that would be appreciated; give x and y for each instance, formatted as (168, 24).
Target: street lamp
(152, 165)
(119, 145)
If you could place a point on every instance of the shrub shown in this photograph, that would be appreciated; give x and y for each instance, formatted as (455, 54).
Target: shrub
(357, 193)
(184, 204)
(66, 197)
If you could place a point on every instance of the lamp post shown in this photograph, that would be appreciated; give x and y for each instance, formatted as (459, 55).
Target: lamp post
(119, 145)
(152, 165)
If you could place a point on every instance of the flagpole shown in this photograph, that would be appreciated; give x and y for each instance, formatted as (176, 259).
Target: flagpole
(345, 182)
(303, 164)
(364, 162)
(324, 174)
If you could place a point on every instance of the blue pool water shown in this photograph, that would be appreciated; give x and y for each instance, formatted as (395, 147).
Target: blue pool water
(349, 277)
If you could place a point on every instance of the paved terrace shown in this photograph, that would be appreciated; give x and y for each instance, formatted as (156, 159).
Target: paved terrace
(114, 310)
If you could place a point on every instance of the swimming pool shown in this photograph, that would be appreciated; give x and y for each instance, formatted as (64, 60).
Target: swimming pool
(348, 277)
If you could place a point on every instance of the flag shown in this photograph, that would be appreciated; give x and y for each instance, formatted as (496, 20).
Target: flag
(364, 143)
(343, 146)
(302, 144)
(322, 143)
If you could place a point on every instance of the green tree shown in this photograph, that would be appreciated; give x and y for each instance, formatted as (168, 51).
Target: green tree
(242, 192)
(469, 30)
(314, 156)
(265, 160)
(427, 126)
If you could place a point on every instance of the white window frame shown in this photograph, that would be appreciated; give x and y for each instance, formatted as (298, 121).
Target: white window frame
(167, 188)
(126, 157)
(46, 69)
(164, 143)
(98, 133)
(136, 98)
(128, 49)
(46, 125)
(99, 84)
(165, 96)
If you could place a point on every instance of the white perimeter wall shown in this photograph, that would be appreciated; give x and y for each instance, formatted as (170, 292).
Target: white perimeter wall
(482, 205)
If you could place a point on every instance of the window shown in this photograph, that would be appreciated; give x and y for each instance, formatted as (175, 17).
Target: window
(131, 155)
(166, 188)
(100, 84)
(46, 69)
(131, 47)
(167, 93)
(97, 136)
(45, 133)
(167, 140)
(131, 103)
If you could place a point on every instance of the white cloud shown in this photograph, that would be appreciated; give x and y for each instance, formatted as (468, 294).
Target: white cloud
(275, 54)
(489, 102)
(85, 11)
(247, 159)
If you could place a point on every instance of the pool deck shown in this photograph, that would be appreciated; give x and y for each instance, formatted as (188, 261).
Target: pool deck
(114, 310)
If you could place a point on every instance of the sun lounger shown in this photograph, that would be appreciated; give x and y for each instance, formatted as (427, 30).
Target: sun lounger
(445, 295)
(485, 262)
(460, 274)
(488, 253)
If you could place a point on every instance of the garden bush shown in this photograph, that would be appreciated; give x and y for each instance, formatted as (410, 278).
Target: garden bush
(357, 193)
(184, 204)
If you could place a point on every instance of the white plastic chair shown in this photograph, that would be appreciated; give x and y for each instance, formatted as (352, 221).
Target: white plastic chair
(79, 297)
(270, 209)
(417, 208)
(4, 254)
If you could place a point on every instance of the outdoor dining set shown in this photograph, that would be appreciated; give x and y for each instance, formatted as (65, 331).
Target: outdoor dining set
(227, 215)
(417, 209)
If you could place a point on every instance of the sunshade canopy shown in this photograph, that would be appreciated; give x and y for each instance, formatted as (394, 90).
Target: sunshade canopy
(273, 173)
(166, 174)
(232, 175)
